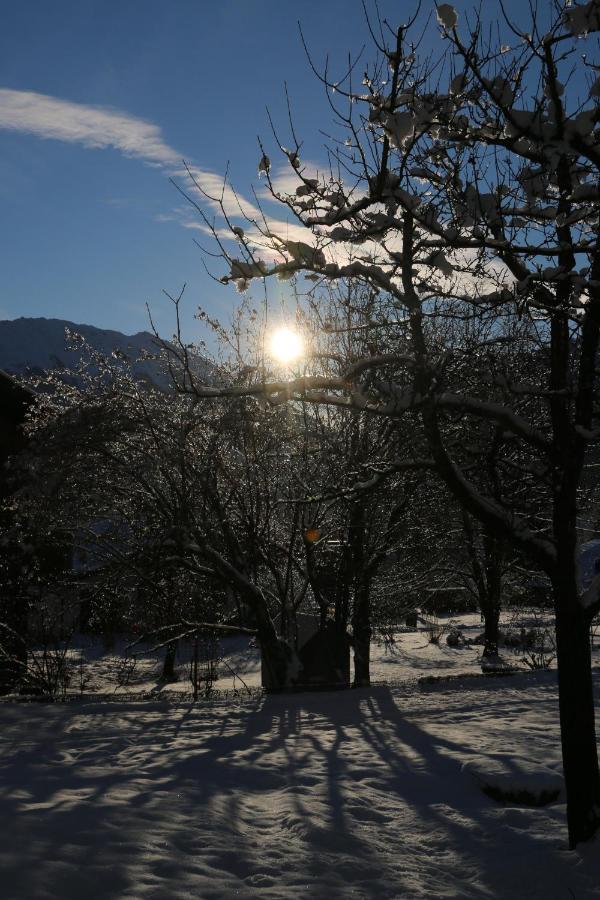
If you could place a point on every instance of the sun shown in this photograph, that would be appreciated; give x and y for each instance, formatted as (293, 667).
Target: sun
(286, 345)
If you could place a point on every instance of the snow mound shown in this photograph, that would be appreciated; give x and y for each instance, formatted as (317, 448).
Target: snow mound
(514, 779)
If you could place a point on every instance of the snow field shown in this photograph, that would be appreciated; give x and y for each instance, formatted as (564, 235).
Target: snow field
(323, 795)
(410, 657)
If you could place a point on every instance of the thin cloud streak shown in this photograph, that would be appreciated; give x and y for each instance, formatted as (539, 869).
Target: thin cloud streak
(94, 127)
(97, 128)
(214, 190)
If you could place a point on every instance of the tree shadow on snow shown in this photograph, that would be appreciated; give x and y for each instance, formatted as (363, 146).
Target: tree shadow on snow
(211, 799)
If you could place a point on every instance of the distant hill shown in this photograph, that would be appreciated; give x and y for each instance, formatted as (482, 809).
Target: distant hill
(32, 346)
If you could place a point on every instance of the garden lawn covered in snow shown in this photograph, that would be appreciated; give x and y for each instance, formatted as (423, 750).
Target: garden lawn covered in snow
(411, 655)
(362, 793)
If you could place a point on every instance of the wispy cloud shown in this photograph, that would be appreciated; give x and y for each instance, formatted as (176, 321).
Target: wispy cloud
(215, 190)
(91, 126)
(97, 127)
(285, 179)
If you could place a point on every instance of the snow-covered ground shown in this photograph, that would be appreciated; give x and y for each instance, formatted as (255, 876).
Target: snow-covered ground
(97, 669)
(323, 795)
(371, 793)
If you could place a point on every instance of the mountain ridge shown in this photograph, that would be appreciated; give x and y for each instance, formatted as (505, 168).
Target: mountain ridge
(31, 346)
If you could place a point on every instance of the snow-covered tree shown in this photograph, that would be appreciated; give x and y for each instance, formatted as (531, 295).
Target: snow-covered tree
(366, 467)
(177, 509)
(466, 186)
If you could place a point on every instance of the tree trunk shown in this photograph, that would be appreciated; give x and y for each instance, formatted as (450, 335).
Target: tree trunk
(361, 629)
(491, 603)
(576, 708)
(575, 687)
(359, 576)
(491, 620)
(276, 658)
(168, 673)
(276, 655)
(344, 587)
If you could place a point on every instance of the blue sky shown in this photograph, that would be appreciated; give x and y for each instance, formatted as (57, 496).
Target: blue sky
(100, 100)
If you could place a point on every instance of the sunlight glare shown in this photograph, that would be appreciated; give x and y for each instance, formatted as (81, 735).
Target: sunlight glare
(286, 345)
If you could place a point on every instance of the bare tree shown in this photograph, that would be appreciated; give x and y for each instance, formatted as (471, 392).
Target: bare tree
(367, 469)
(467, 186)
(177, 507)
